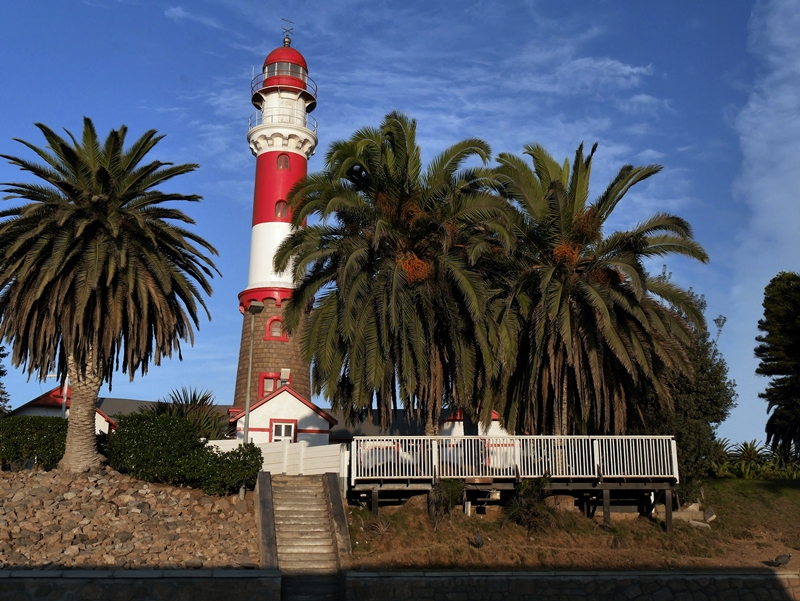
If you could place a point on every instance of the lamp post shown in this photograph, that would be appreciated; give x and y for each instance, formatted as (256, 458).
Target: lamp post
(254, 308)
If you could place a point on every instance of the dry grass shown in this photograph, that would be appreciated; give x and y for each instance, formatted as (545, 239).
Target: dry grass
(756, 521)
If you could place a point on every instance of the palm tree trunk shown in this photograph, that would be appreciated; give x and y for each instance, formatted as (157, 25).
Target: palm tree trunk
(81, 453)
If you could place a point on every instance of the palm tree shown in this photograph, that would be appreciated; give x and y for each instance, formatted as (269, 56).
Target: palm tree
(197, 406)
(95, 272)
(389, 270)
(594, 327)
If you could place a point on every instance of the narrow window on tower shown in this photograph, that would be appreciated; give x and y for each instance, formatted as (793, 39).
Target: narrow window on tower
(275, 330)
(283, 161)
(281, 210)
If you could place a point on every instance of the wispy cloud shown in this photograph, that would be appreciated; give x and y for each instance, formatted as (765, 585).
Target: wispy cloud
(178, 14)
(769, 131)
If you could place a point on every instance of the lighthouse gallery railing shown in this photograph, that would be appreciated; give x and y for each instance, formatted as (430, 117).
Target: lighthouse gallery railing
(559, 457)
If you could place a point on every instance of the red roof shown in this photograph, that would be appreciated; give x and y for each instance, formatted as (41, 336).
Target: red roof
(322, 413)
(285, 54)
(458, 415)
(53, 399)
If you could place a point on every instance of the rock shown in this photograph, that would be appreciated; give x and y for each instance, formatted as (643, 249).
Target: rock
(110, 520)
(697, 524)
(194, 564)
(241, 507)
(123, 536)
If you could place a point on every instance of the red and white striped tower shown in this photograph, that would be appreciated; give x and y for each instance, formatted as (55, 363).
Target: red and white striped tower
(282, 136)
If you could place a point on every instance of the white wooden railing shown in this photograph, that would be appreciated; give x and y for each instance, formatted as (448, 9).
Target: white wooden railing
(559, 457)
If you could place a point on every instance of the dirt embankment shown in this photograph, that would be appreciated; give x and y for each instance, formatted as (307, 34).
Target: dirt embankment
(106, 519)
(756, 522)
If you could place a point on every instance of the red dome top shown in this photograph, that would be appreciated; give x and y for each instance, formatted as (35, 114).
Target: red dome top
(285, 54)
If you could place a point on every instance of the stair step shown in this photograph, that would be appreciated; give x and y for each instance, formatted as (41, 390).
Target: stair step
(307, 554)
(309, 543)
(320, 560)
(303, 534)
(300, 526)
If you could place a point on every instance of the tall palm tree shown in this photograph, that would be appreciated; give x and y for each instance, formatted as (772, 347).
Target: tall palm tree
(95, 272)
(399, 305)
(594, 327)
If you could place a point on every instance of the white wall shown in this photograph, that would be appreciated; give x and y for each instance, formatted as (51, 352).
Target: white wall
(285, 407)
(456, 428)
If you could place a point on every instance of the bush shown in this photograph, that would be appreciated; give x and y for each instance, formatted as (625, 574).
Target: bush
(443, 497)
(168, 449)
(32, 439)
(528, 507)
(197, 406)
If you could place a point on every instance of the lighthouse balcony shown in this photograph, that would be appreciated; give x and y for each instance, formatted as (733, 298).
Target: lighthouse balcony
(282, 116)
(285, 79)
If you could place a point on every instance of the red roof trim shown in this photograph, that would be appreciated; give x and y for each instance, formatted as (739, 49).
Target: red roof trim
(458, 416)
(323, 414)
(112, 424)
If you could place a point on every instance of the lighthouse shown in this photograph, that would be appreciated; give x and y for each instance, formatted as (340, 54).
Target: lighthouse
(282, 136)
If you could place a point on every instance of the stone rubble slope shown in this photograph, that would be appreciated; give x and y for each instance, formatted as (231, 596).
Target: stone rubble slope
(57, 519)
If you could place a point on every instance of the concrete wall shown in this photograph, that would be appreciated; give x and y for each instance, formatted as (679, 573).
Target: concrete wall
(139, 585)
(575, 586)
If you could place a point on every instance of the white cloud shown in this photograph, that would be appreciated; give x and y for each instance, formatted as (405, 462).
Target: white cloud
(178, 14)
(643, 104)
(768, 184)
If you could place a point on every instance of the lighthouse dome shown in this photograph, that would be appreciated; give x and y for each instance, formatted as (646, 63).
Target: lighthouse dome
(285, 54)
(285, 68)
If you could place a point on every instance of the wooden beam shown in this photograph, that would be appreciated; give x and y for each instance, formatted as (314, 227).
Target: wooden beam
(668, 507)
(374, 504)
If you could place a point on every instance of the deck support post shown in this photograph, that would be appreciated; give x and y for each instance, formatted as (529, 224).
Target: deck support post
(374, 503)
(606, 506)
(668, 508)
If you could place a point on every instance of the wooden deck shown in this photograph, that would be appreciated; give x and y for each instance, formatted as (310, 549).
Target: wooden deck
(593, 469)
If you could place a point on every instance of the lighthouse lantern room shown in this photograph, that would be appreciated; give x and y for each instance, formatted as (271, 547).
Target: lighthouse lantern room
(282, 136)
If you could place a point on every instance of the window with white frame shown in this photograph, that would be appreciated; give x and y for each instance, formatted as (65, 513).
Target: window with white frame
(282, 431)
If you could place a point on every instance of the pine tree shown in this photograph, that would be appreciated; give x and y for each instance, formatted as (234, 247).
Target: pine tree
(779, 352)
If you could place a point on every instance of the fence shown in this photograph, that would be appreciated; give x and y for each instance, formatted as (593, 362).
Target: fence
(296, 459)
(559, 457)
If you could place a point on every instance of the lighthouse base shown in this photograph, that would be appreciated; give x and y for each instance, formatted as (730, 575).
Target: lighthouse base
(272, 356)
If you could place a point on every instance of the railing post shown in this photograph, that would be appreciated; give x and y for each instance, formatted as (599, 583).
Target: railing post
(302, 444)
(517, 455)
(285, 456)
(674, 447)
(596, 453)
(434, 460)
(353, 462)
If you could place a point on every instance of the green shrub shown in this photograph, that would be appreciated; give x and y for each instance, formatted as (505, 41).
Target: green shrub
(222, 473)
(528, 507)
(443, 497)
(197, 406)
(168, 449)
(28, 439)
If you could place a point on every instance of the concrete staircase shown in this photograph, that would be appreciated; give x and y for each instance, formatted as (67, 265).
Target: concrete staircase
(307, 554)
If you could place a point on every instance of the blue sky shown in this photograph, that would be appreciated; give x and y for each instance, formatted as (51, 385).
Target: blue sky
(710, 90)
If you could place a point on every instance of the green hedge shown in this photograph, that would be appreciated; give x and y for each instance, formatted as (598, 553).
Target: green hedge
(168, 449)
(28, 439)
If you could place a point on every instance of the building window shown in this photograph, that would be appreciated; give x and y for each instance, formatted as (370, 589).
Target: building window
(283, 431)
(283, 161)
(270, 381)
(281, 210)
(274, 330)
